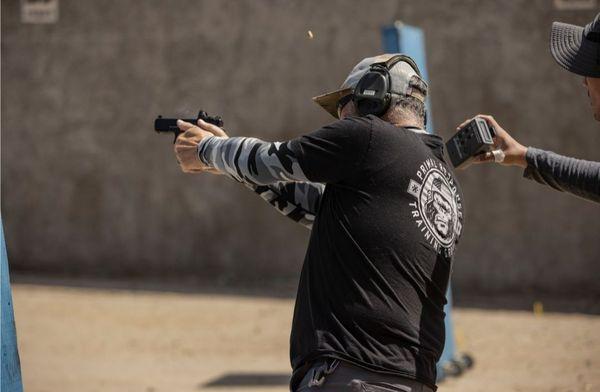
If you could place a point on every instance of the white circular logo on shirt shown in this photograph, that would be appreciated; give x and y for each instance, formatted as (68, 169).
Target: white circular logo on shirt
(437, 210)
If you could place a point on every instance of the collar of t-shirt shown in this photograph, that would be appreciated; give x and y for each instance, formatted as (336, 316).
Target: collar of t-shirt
(415, 129)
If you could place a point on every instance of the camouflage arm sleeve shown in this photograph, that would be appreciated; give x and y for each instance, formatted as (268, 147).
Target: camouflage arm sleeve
(298, 201)
(251, 160)
(270, 169)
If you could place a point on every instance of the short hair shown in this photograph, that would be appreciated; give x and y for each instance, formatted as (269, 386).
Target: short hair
(409, 107)
(406, 107)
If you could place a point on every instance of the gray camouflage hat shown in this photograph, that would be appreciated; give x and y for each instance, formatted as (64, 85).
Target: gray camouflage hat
(403, 79)
(576, 48)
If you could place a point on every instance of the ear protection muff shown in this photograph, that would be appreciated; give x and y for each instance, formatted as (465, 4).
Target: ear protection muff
(372, 94)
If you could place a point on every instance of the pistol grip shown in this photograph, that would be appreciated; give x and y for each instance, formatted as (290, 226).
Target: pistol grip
(176, 135)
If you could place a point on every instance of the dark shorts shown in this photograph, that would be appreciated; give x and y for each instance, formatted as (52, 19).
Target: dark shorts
(334, 375)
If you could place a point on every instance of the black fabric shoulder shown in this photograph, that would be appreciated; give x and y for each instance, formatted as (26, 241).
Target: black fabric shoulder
(335, 151)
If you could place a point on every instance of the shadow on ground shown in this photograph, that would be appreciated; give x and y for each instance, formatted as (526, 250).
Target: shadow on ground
(248, 380)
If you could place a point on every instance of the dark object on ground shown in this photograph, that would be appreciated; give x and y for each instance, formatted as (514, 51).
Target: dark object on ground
(248, 380)
(455, 367)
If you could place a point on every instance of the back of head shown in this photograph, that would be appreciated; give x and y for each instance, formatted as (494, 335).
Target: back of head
(407, 110)
(389, 86)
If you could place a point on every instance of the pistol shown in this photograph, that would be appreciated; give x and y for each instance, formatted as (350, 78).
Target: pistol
(166, 125)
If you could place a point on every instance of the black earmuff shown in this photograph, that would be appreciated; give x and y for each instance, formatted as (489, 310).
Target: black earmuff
(372, 94)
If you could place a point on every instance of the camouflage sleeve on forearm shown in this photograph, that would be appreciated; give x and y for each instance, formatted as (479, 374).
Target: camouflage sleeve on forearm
(270, 170)
(251, 160)
(298, 201)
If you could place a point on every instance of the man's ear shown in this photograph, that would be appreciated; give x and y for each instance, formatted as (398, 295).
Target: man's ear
(348, 110)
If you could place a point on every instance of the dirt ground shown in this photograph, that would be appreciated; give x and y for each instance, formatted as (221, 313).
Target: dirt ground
(84, 339)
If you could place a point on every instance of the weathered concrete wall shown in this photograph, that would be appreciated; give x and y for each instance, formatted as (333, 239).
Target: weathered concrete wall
(88, 188)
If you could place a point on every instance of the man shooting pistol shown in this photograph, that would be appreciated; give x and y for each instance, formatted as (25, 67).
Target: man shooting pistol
(385, 213)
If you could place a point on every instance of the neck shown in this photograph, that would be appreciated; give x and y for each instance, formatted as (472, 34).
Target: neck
(404, 121)
(408, 124)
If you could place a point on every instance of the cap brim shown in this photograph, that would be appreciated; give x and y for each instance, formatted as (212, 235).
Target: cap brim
(572, 52)
(329, 101)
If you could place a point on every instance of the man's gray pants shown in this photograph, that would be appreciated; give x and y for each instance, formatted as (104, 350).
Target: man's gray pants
(334, 375)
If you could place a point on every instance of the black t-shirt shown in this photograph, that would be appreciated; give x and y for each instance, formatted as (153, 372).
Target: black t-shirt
(373, 283)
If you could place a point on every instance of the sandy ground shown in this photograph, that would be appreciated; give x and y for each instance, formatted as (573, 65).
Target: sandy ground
(74, 339)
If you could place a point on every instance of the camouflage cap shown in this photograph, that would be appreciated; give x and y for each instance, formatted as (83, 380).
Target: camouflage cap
(403, 79)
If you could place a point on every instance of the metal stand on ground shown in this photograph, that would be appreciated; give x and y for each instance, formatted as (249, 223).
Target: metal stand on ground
(451, 363)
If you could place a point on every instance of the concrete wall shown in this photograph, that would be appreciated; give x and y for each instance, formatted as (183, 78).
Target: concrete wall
(89, 189)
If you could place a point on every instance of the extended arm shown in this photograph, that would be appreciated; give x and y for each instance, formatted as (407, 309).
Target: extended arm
(270, 169)
(328, 155)
(299, 201)
(250, 160)
(576, 176)
(290, 175)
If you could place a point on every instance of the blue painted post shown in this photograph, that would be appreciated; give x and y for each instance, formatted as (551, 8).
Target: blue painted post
(449, 353)
(410, 40)
(10, 371)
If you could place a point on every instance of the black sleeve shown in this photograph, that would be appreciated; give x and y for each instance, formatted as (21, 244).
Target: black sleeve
(576, 176)
(334, 152)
